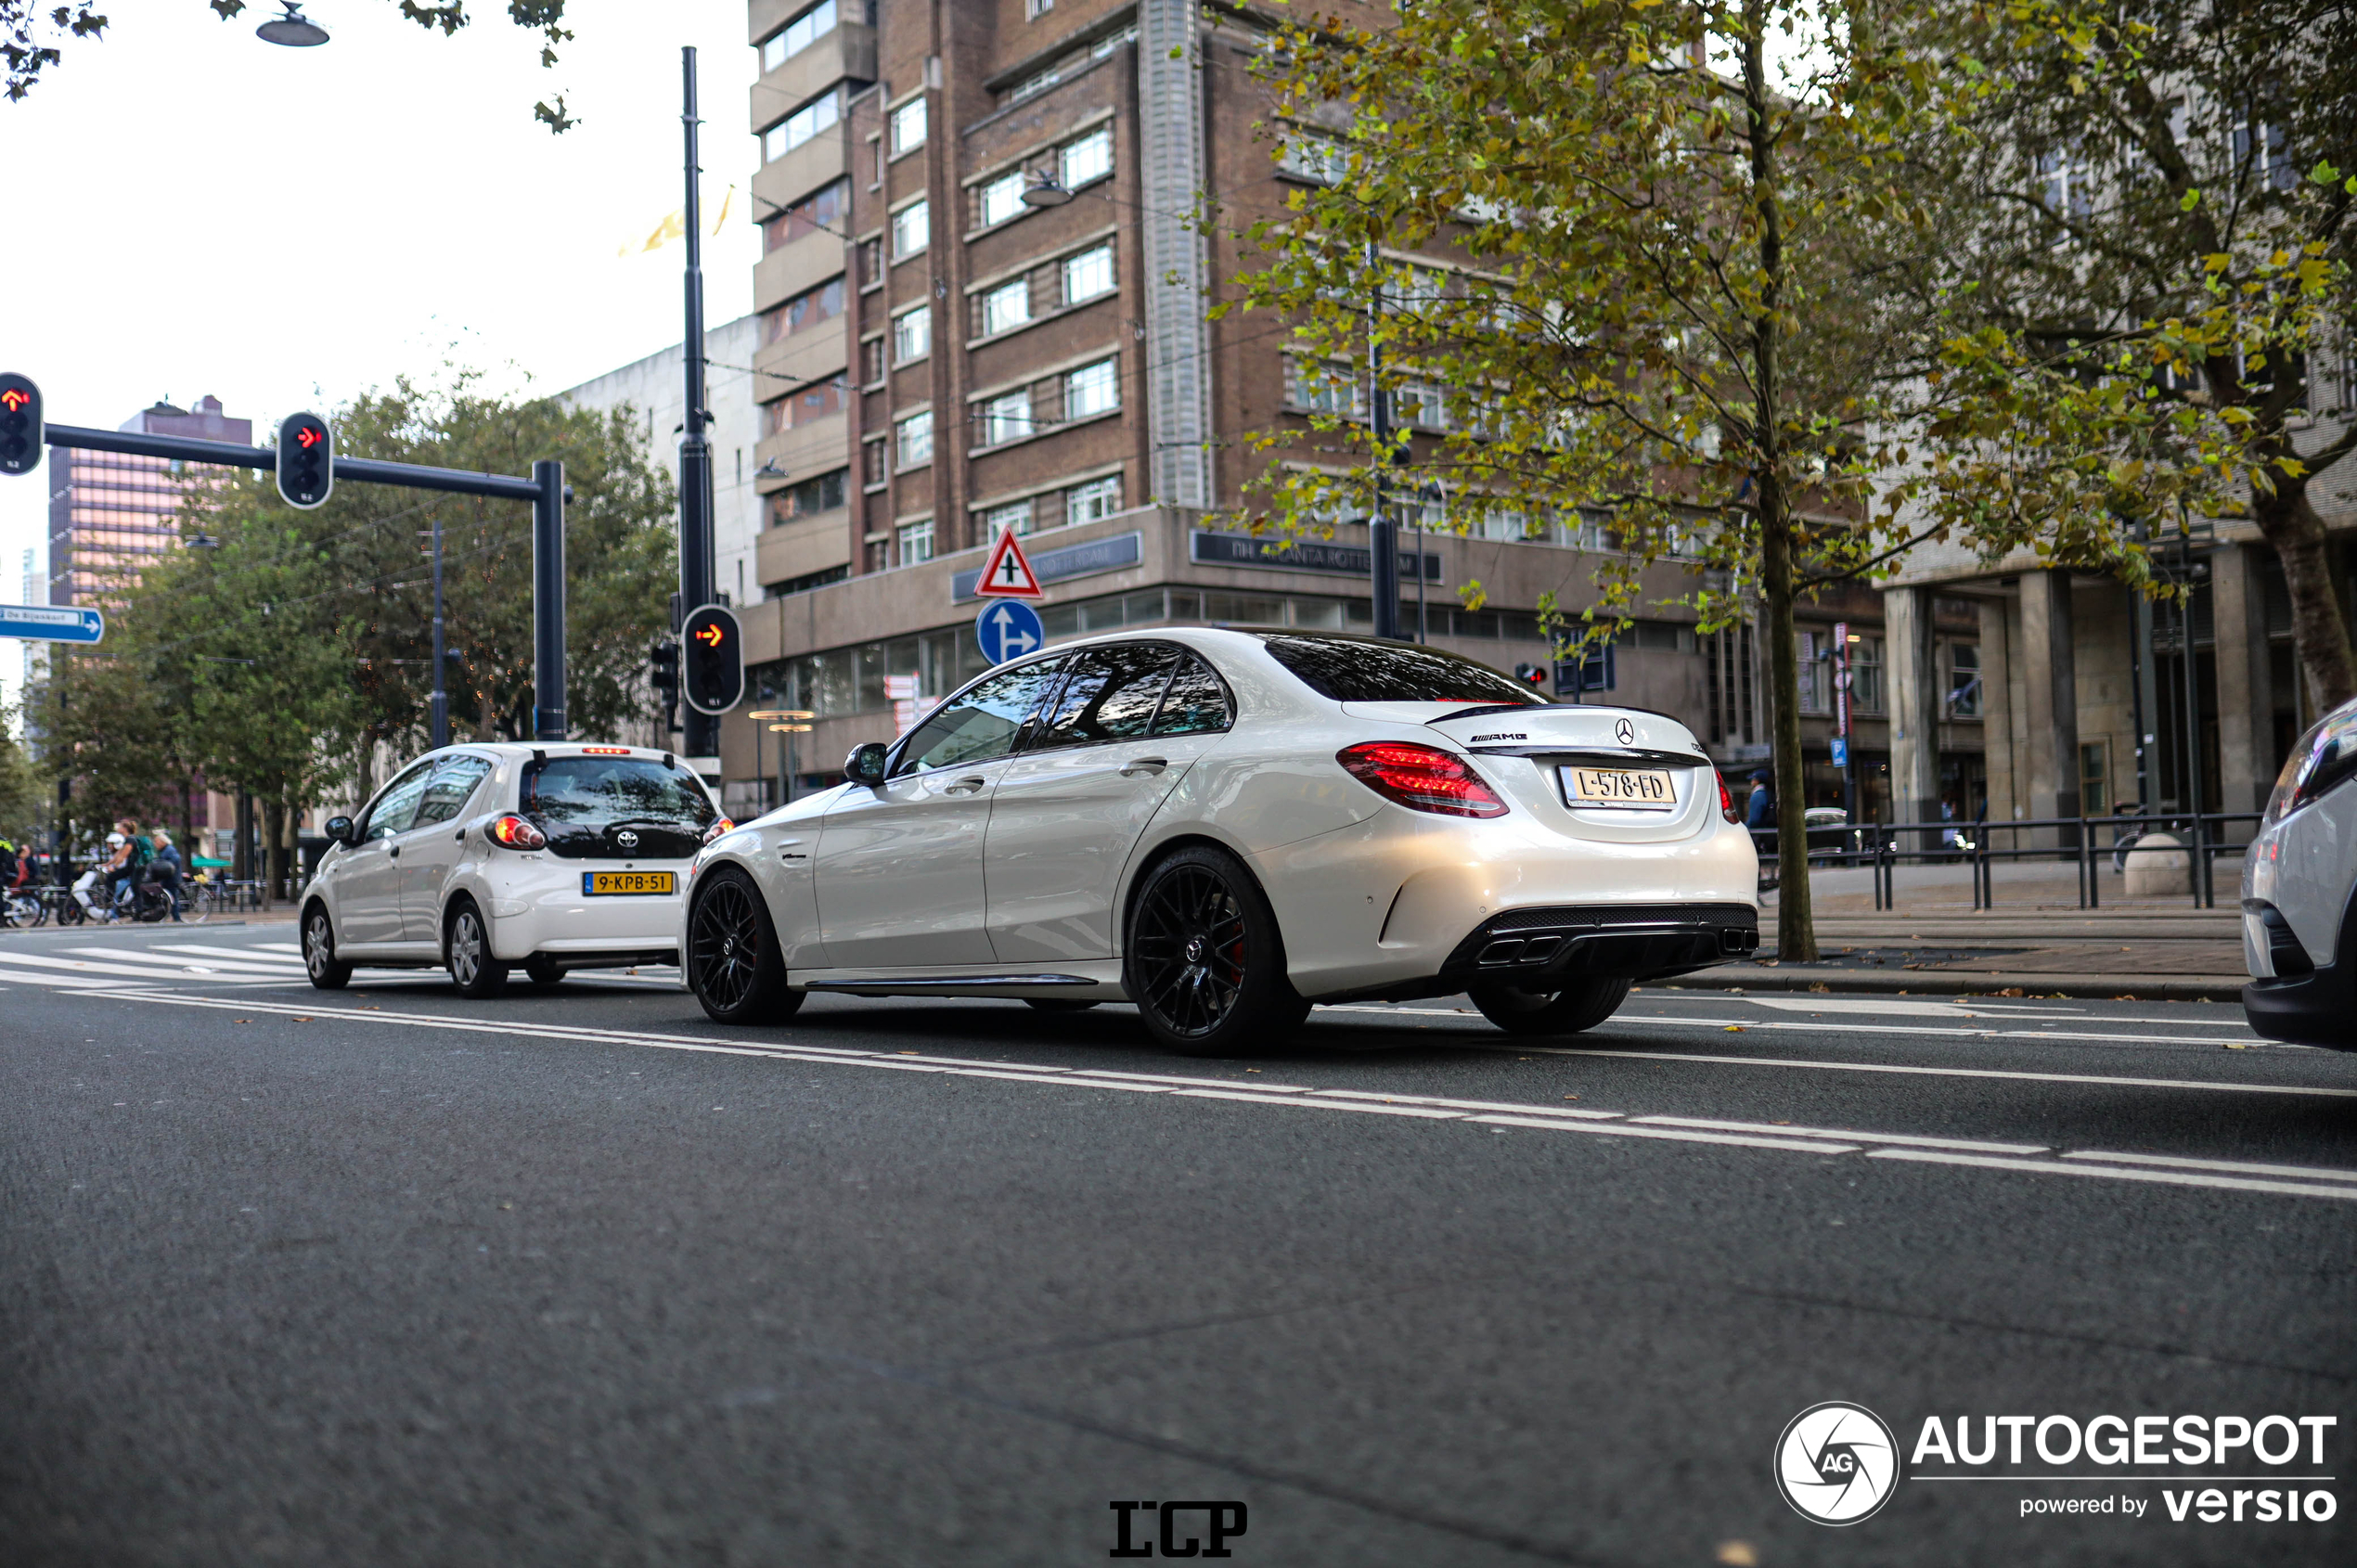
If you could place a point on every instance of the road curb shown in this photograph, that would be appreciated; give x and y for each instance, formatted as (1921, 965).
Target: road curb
(1923, 982)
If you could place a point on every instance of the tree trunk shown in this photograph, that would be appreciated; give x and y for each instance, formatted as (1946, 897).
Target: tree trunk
(1796, 920)
(273, 819)
(2319, 632)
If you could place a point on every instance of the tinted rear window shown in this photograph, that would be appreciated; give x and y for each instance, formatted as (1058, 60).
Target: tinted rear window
(1362, 669)
(596, 792)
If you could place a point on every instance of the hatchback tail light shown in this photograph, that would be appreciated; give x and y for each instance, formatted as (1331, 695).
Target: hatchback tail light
(1727, 800)
(516, 833)
(1422, 779)
(719, 826)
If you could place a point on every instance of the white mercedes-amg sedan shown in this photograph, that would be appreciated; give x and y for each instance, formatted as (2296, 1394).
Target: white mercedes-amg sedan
(1225, 827)
(2300, 890)
(484, 858)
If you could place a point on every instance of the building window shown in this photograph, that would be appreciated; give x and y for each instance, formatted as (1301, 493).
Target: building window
(801, 125)
(871, 361)
(1092, 389)
(915, 436)
(1034, 9)
(1866, 673)
(912, 334)
(1006, 307)
(871, 262)
(798, 35)
(820, 210)
(871, 462)
(1091, 502)
(1089, 159)
(1001, 198)
(1816, 673)
(1324, 389)
(911, 229)
(822, 493)
(1006, 419)
(1014, 515)
(1963, 680)
(806, 406)
(807, 309)
(908, 125)
(916, 543)
(1089, 275)
(2095, 778)
(1320, 159)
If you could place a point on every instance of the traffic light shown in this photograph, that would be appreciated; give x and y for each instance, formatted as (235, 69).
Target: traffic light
(1533, 676)
(712, 661)
(306, 460)
(20, 424)
(663, 660)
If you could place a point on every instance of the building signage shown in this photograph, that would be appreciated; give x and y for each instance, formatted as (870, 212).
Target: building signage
(1300, 555)
(1074, 561)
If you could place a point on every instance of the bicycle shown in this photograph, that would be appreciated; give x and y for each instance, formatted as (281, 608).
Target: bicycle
(22, 909)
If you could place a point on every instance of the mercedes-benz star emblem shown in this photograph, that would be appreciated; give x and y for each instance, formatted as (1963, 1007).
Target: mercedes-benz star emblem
(1627, 731)
(1837, 1463)
(626, 839)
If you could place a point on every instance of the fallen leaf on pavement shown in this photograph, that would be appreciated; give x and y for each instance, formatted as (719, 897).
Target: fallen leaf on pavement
(1737, 1554)
(1734, 1029)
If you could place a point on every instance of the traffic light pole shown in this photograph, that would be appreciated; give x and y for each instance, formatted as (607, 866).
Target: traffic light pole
(545, 490)
(701, 731)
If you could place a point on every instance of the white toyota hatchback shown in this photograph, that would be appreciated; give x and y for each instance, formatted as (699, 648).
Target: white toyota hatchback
(1224, 827)
(480, 858)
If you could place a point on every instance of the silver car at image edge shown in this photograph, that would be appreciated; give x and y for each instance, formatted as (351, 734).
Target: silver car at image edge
(2300, 890)
(1225, 826)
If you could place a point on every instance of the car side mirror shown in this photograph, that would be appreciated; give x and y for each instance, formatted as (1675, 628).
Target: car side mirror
(865, 765)
(340, 829)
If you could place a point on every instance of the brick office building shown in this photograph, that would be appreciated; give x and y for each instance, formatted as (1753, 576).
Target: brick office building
(981, 305)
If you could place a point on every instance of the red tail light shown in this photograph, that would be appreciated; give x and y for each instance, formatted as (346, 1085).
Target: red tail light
(1422, 779)
(516, 833)
(719, 826)
(1727, 800)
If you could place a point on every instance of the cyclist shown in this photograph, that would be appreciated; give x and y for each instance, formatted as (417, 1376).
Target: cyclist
(101, 865)
(12, 870)
(166, 872)
(129, 865)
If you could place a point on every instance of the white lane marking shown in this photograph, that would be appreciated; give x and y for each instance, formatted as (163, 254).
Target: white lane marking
(1721, 1022)
(1469, 1015)
(167, 963)
(1975, 1145)
(1535, 1117)
(243, 955)
(1569, 1113)
(2115, 1173)
(1897, 1007)
(1625, 1129)
(2237, 1167)
(66, 982)
(93, 967)
(1943, 1071)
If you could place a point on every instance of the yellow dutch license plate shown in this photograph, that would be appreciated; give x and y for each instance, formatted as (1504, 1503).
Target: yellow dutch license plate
(609, 883)
(1623, 788)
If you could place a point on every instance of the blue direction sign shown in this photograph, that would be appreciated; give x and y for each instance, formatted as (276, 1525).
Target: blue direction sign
(1008, 628)
(48, 622)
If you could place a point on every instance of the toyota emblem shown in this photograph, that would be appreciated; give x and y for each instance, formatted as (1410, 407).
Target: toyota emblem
(626, 839)
(1627, 731)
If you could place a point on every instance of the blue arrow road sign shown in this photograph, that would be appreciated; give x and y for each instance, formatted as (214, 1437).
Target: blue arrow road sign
(1008, 629)
(46, 623)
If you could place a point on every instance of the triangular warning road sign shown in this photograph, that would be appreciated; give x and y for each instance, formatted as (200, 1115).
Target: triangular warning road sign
(1007, 574)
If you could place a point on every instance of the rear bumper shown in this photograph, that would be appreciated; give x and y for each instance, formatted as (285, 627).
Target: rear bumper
(1544, 948)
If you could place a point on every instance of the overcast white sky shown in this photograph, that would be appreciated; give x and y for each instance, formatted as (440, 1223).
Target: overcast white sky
(152, 256)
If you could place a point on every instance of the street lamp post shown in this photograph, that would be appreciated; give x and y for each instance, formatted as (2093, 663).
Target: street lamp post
(439, 706)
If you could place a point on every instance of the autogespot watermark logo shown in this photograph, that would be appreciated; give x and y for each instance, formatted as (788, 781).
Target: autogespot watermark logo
(1837, 1463)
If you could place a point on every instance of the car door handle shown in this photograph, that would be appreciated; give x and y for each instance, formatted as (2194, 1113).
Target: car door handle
(460, 837)
(1143, 765)
(965, 787)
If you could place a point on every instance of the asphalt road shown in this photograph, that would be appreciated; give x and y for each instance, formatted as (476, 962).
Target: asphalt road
(577, 1277)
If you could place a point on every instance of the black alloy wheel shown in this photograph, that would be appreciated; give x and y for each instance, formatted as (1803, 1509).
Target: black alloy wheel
(1582, 1004)
(1204, 961)
(735, 964)
(466, 949)
(328, 972)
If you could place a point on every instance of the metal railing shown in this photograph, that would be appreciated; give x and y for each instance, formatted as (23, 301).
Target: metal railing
(2202, 836)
